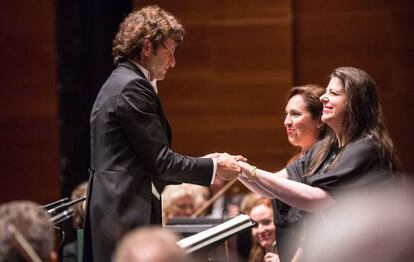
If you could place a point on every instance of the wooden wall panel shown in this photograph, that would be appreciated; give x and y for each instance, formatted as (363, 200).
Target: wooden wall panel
(28, 119)
(228, 89)
(377, 36)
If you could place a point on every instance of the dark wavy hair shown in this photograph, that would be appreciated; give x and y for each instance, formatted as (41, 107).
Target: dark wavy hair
(363, 117)
(150, 23)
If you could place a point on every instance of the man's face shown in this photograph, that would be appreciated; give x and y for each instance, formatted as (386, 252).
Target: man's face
(160, 60)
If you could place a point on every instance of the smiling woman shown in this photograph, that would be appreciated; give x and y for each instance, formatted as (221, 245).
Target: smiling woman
(303, 118)
(334, 103)
(304, 128)
(264, 232)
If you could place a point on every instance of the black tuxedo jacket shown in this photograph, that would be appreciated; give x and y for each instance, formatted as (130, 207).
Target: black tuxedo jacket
(130, 148)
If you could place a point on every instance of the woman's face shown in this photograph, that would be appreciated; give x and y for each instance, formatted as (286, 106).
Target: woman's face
(264, 232)
(334, 105)
(302, 130)
(182, 207)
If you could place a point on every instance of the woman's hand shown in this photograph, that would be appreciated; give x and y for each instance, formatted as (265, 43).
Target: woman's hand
(271, 257)
(245, 167)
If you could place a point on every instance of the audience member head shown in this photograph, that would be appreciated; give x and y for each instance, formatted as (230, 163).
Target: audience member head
(150, 24)
(369, 225)
(177, 201)
(233, 205)
(79, 209)
(149, 244)
(200, 194)
(264, 232)
(32, 222)
(303, 116)
(248, 202)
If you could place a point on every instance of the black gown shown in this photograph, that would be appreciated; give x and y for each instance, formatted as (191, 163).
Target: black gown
(358, 167)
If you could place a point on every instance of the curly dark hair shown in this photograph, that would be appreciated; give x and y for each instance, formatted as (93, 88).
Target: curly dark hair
(150, 23)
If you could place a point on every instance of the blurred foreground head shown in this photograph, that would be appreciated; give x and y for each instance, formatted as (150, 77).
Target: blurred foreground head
(149, 244)
(368, 226)
(33, 224)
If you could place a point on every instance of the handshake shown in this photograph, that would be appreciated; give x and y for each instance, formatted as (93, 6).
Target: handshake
(227, 166)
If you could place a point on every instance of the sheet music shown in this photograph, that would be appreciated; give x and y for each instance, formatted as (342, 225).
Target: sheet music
(217, 233)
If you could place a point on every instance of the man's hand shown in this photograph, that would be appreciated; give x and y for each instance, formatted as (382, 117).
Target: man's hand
(212, 155)
(227, 167)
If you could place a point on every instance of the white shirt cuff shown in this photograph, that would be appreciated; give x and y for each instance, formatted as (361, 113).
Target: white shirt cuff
(155, 191)
(214, 170)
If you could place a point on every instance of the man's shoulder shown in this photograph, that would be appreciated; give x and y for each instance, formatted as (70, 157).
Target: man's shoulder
(127, 75)
(127, 71)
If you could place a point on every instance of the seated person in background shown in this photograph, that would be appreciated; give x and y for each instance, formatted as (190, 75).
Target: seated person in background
(33, 223)
(201, 194)
(149, 244)
(372, 225)
(264, 242)
(233, 204)
(70, 249)
(244, 239)
(228, 203)
(248, 202)
(177, 201)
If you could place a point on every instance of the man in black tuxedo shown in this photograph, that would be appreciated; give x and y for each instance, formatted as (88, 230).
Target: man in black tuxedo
(131, 159)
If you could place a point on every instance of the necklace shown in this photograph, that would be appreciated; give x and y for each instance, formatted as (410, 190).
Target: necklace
(330, 159)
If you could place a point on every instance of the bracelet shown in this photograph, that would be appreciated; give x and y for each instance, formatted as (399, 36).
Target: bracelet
(252, 173)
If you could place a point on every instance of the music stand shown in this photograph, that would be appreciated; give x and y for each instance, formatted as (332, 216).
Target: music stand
(210, 235)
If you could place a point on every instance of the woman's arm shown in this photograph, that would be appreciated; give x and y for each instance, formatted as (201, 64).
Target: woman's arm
(255, 187)
(293, 193)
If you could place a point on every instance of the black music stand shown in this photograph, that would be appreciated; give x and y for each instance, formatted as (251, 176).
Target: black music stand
(207, 234)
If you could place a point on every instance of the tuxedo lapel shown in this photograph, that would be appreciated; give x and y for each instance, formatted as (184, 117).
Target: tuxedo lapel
(163, 119)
